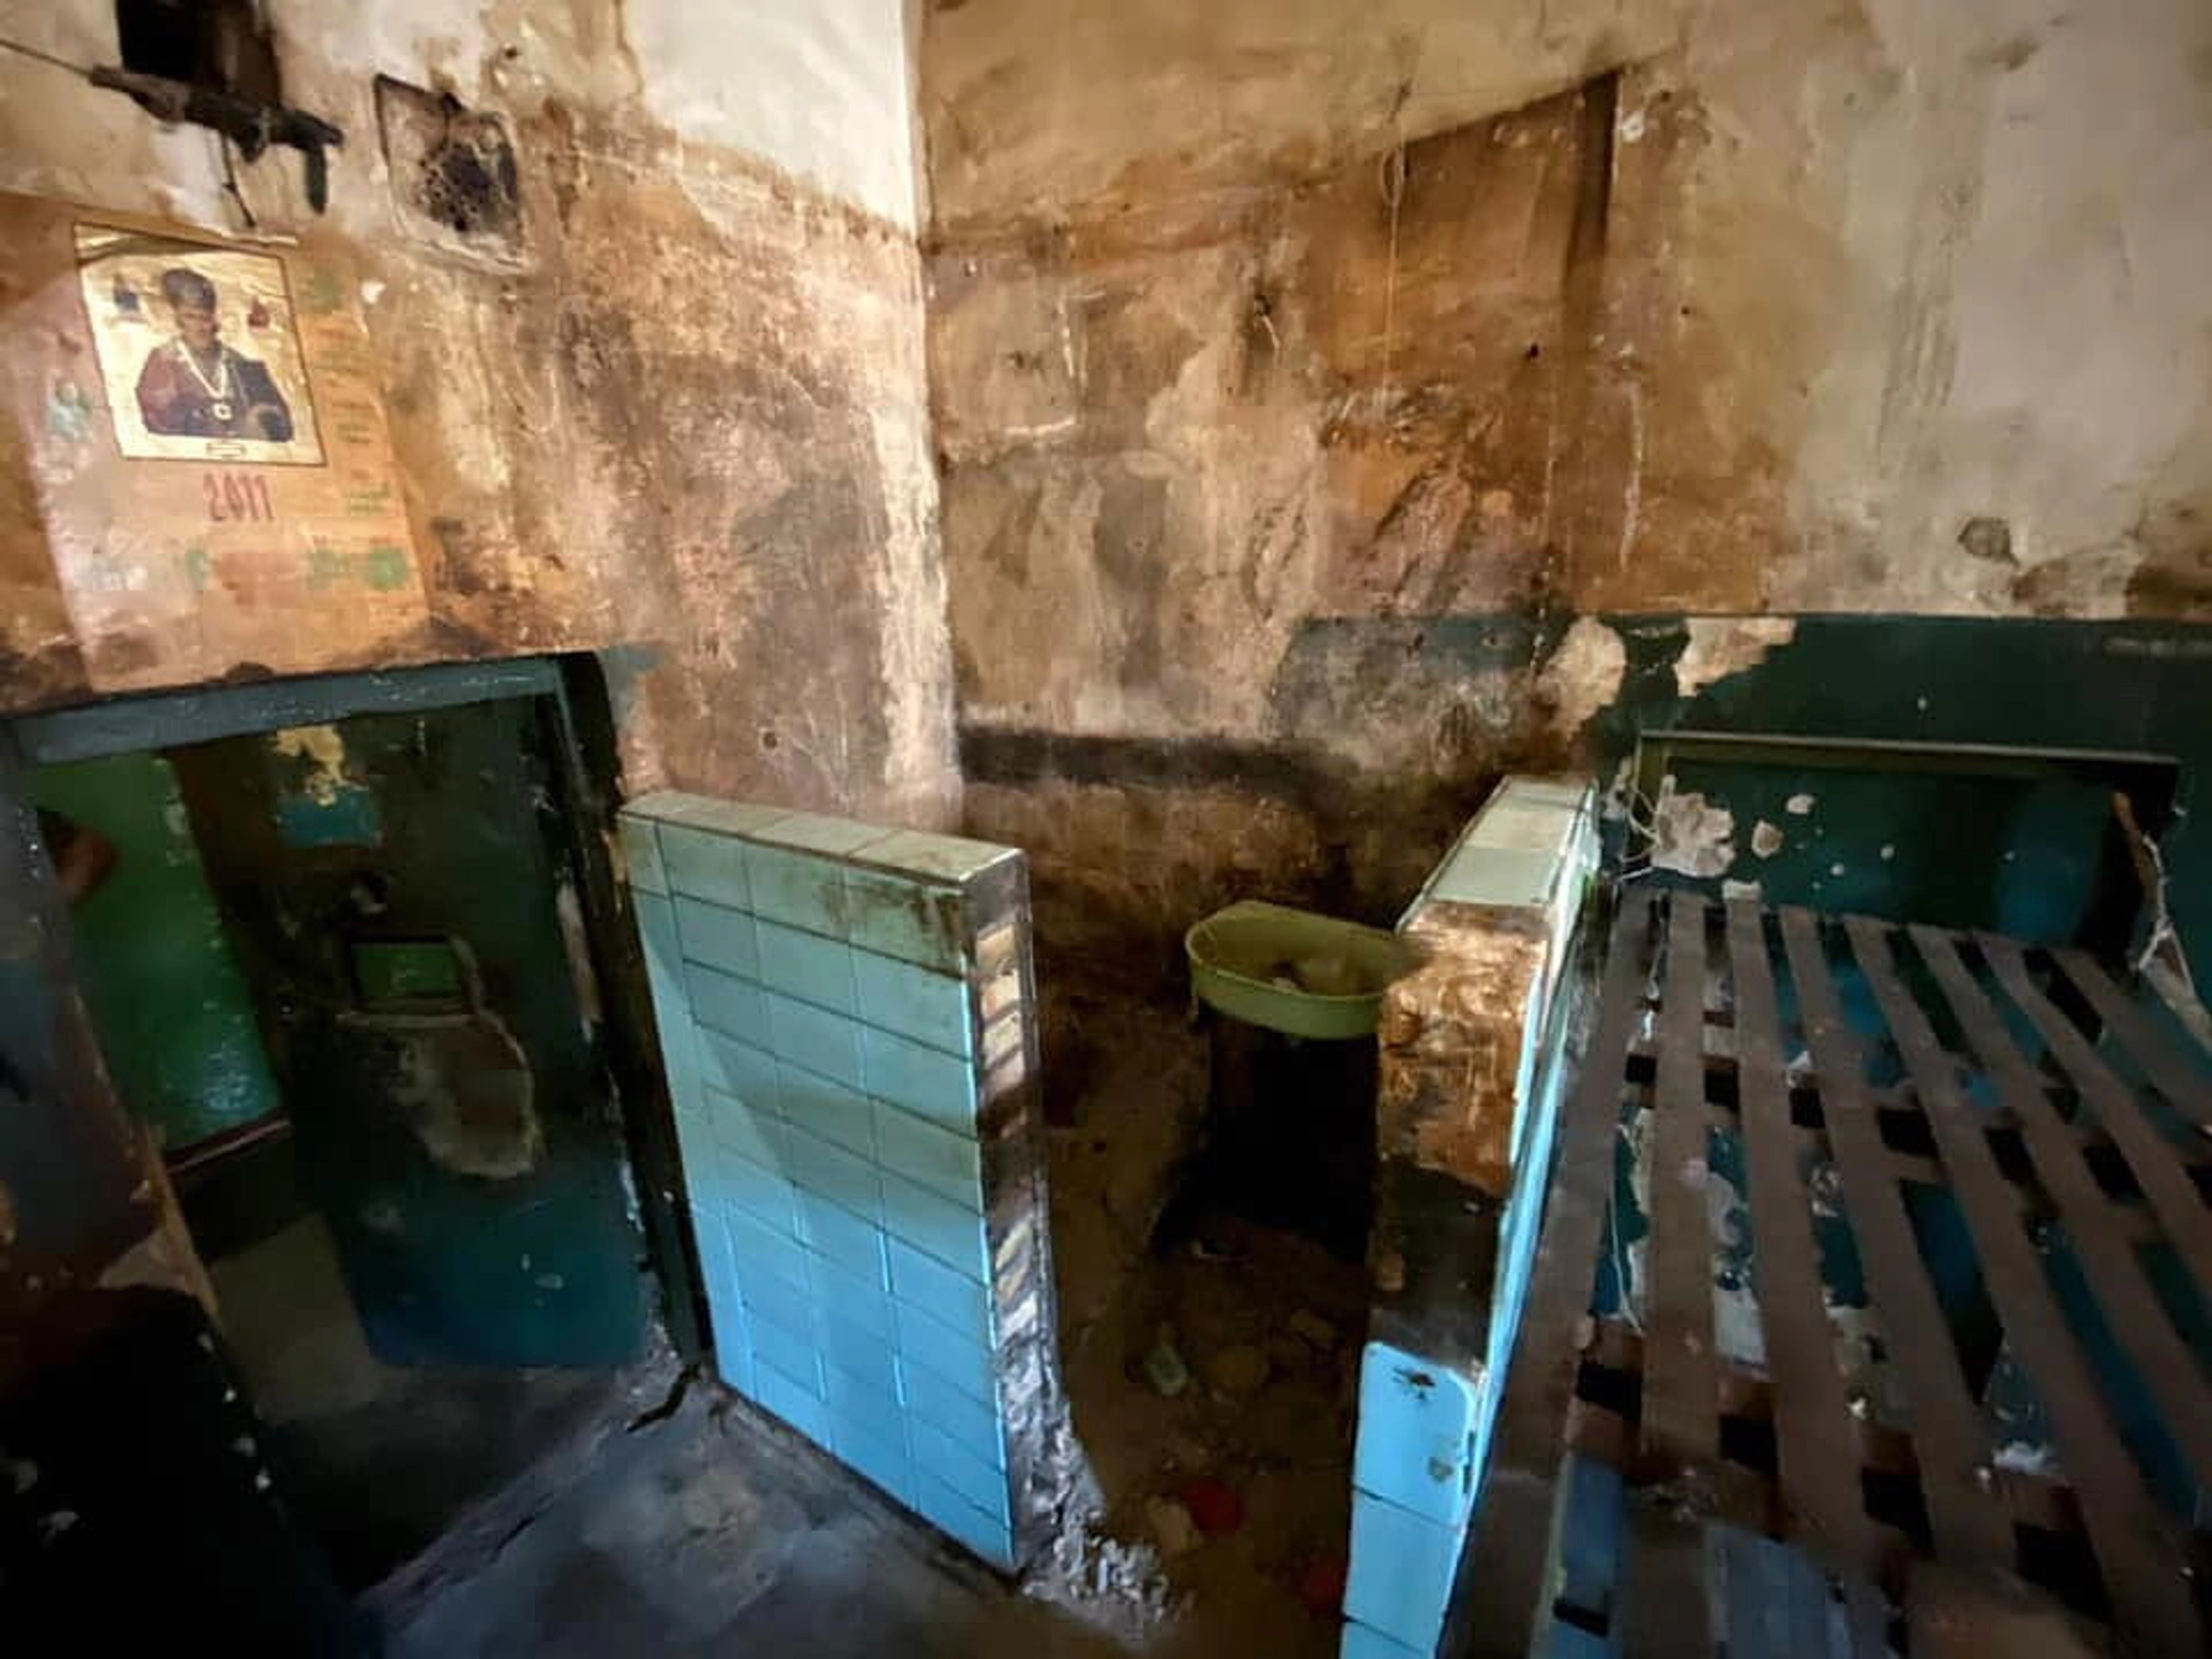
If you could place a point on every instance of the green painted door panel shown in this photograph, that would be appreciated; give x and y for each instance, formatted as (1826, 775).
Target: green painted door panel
(174, 1018)
(395, 885)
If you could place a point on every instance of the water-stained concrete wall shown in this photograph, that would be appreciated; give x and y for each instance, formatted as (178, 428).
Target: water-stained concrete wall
(681, 420)
(1309, 379)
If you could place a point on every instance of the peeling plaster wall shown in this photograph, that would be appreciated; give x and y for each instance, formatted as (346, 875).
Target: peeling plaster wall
(1303, 373)
(686, 425)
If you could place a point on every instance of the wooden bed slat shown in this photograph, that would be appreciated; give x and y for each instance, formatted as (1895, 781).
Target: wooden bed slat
(2150, 1158)
(1817, 1435)
(1510, 1543)
(2162, 1062)
(1680, 1424)
(2115, 1271)
(1951, 1440)
(1670, 1606)
(2133, 1545)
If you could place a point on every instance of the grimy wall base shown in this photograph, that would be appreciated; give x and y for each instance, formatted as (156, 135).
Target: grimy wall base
(846, 1018)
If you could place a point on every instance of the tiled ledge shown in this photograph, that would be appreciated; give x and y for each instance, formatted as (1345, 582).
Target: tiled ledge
(1495, 921)
(1470, 1071)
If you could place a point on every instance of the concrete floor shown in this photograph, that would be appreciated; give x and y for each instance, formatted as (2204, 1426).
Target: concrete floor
(712, 1532)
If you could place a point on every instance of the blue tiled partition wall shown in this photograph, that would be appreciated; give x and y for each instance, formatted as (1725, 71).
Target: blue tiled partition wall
(846, 1022)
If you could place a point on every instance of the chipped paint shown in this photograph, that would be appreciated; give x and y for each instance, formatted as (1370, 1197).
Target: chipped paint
(324, 750)
(1799, 807)
(1721, 645)
(1583, 676)
(1767, 839)
(468, 1091)
(1691, 835)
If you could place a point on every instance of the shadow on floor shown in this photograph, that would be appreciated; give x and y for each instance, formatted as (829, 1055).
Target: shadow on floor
(713, 1532)
(378, 1460)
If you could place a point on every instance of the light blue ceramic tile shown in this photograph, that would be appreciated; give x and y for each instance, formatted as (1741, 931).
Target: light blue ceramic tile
(777, 1302)
(950, 1166)
(1519, 826)
(929, 1008)
(829, 1109)
(1401, 1572)
(935, 1227)
(704, 866)
(789, 1351)
(1361, 1643)
(663, 952)
(736, 1367)
(706, 812)
(819, 832)
(882, 1460)
(788, 1398)
(711, 1234)
(1491, 875)
(680, 1060)
(1551, 791)
(970, 1423)
(953, 1514)
(848, 1241)
(801, 890)
(695, 1138)
(896, 916)
(738, 1069)
(807, 966)
(826, 1044)
(751, 1131)
(656, 933)
(1416, 1433)
(733, 1007)
(757, 1248)
(862, 1301)
(861, 1355)
(764, 1194)
(950, 1297)
(834, 1174)
(641, 863)
(948, 858)
(926, 1081)
(926, 1345)
(982, 1484)
(733, 1342)
(865, 1400)
(717, 937)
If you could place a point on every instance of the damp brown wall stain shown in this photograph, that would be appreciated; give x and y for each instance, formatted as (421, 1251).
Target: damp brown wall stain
(1265, 345)
(685, 420)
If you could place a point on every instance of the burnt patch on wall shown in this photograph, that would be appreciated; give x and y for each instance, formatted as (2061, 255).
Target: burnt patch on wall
(453, 175)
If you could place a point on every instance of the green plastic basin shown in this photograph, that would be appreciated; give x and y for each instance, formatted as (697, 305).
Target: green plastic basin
(1292, 971)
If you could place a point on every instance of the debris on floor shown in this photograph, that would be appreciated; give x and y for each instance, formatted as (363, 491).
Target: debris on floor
(1212, 1376)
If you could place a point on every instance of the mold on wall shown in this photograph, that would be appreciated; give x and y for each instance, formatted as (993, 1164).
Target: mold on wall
(677, 415)
(1277, 354)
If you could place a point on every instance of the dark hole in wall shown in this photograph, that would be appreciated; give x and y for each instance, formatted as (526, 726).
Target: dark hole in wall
(221, 44)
